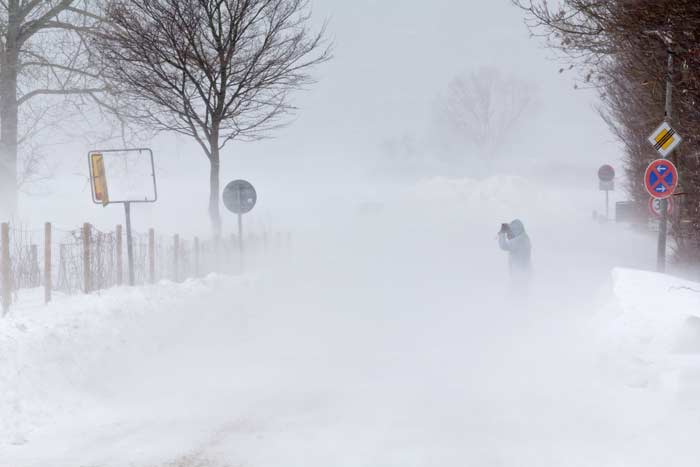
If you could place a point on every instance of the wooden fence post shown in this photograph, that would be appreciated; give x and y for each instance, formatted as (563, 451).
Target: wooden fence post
(152, 256)
(48, 279)
(34, 274)
(196, 256)
(120, 257)
(87, 283)
(176, 257)
(6, 268)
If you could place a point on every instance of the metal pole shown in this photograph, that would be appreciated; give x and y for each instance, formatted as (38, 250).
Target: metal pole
(669, 87)
(663, 223)
(607, 205)
(240, 225)
(129, 243)
(240, 234)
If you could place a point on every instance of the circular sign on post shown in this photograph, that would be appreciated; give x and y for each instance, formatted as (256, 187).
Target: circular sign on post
(655, 206)
(661, 179)
(606, 173)
(239, 197)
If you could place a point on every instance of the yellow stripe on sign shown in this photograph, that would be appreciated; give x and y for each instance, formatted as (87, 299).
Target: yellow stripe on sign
(663, 136)
(668, 143)
(99, 178)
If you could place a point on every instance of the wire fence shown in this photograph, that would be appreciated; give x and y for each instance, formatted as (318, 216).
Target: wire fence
(86, 259)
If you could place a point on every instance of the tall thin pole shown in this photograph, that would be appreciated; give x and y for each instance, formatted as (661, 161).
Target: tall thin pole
(663, 223)
(129, 244)
(240, 234)
(240, 227)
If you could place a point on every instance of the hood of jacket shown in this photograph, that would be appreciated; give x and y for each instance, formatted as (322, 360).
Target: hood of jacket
(517, 228)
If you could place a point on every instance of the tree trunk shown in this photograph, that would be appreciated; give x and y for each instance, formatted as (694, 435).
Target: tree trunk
(9, 58)
(214, 213)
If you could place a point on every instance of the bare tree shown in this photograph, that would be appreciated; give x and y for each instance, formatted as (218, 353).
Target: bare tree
(212, 70)
(44, 56)
(485, 107)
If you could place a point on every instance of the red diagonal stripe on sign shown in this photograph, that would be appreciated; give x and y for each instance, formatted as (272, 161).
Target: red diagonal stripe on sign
(660, 181)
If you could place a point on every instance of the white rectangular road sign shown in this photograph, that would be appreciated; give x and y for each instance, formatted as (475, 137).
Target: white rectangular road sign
(607, 186)
(130, 174)
(665, 139)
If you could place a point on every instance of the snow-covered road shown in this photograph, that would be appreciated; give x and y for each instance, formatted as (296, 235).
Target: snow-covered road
(389, 341)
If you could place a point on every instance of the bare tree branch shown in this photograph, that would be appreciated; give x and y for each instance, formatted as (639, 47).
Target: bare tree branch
(45, 51)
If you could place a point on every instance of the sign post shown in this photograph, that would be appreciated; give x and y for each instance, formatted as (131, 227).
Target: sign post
(664, 140)
(661, 181)
(129, 243)
(128, 176)
(606, 177)
(240, 198)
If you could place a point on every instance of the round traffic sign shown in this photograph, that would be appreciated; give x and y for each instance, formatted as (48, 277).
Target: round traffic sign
(655, 206)
(661, 179)
(239, 197)
(606, 173)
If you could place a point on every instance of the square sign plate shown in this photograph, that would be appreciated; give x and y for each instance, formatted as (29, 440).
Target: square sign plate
(665, 139)
(123, 176)
(607, 186)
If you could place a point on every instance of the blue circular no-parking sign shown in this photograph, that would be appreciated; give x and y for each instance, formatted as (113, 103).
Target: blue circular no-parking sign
(661, 179)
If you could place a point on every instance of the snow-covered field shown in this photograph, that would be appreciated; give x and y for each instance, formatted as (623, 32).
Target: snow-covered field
(388, 338)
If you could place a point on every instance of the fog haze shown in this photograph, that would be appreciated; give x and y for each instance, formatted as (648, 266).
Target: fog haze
(379, 321)
(392, 62)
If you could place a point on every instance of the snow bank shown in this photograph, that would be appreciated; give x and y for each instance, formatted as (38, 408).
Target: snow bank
(49, 355)
(652, 328)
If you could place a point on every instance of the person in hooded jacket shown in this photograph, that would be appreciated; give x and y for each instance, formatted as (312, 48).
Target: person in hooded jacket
(513, 239)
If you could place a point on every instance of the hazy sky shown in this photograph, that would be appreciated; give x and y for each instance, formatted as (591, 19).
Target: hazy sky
(391, 61)
(393, 58)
